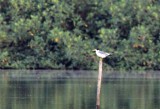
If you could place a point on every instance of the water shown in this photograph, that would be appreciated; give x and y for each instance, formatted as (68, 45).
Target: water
(77, 90)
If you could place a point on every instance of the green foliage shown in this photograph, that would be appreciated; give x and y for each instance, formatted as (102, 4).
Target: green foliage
(61, 34)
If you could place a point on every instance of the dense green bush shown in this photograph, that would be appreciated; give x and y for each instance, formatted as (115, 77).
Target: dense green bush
(60, 34)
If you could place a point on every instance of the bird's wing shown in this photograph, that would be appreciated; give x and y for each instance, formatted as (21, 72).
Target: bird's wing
(102, 52)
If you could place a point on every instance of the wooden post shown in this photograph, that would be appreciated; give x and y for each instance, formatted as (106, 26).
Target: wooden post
(99, 83)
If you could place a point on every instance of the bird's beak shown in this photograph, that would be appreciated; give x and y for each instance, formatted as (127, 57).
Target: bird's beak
(94, 50)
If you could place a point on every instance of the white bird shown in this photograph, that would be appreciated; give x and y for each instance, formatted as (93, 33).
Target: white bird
(101, 54)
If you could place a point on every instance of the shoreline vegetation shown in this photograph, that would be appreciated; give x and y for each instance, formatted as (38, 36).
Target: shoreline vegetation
(61, 34)
(80, 74)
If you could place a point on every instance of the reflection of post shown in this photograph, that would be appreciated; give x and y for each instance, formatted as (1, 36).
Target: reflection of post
(99, 83)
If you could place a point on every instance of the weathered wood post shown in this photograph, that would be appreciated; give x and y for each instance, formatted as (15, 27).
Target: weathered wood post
(99, 83)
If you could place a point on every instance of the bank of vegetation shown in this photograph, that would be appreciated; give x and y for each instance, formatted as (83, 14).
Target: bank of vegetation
(60, 34)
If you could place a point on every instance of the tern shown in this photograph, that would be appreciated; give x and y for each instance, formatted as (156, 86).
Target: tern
(101, 54)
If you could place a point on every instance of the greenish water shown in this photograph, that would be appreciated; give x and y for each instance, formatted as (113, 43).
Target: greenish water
(77, 90)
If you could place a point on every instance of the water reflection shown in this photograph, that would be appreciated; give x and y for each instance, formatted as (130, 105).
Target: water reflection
(77, 90)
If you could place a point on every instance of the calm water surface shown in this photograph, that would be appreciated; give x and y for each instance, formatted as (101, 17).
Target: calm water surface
(77, 90)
